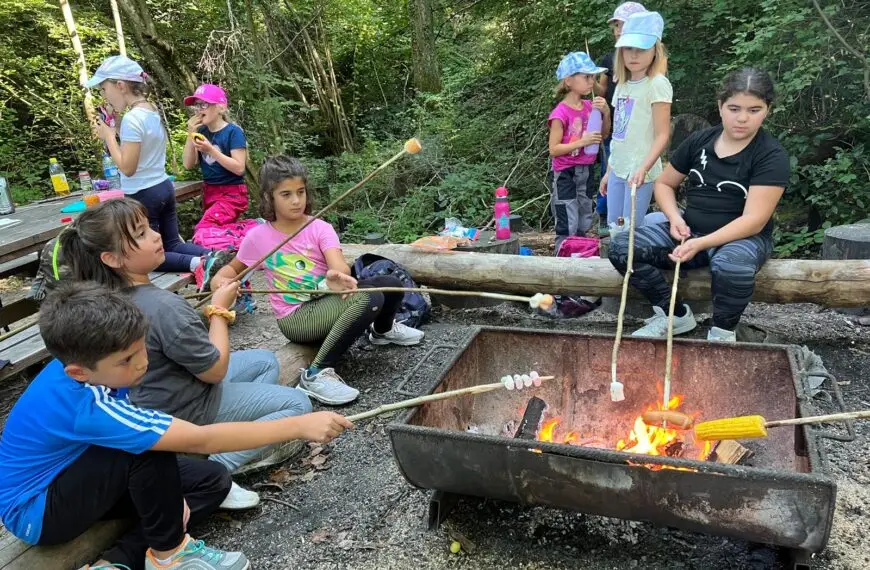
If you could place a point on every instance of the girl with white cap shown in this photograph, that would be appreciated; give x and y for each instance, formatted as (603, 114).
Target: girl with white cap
(141, 160)
(641, 118)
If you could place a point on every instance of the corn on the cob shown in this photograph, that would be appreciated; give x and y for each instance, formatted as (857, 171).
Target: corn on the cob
(744, 427)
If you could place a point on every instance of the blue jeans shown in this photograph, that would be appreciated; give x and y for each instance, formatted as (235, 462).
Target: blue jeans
(619, 200)
(251, 393)
(159, 200)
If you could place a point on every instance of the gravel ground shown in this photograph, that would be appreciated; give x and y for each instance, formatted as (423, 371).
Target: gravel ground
(346, 506)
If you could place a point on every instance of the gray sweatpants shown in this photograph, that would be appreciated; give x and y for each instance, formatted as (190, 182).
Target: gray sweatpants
(571, 207)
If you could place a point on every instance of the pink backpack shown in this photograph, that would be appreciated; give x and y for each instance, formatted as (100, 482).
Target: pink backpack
(579, 247)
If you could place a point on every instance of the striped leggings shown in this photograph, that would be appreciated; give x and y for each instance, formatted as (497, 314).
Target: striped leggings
(336, 323)
(733, 267)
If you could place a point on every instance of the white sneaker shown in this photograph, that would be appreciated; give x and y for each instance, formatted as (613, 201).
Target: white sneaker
(721, 335)
(657, 325)
(326, 386)
(400, 334)
(240, 499)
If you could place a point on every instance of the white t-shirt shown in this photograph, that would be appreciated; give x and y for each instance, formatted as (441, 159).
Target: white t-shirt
(144, 127)
(633, 130)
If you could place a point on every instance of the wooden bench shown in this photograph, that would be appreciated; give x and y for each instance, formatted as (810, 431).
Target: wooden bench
(26, 347)
(18, 555)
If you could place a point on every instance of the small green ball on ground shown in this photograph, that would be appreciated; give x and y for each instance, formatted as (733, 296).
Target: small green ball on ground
(455, 547)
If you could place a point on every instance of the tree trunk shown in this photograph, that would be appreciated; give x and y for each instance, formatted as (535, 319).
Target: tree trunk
(119, 30)
(171, 71)
(828, 283)
(90, 113)
(427, 71)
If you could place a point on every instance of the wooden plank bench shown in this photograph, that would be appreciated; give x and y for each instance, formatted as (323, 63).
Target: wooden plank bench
(26, 347)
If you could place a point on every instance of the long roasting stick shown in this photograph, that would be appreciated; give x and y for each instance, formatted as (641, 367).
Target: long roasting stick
(669, 353)
(383, 409)
(412, 146)
(616, 388)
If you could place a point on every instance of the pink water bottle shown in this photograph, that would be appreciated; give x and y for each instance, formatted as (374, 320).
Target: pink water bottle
(502, 214)
(593, 126)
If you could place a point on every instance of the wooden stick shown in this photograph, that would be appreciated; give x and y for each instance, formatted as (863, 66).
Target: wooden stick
(862, 415)
(383, 409)
(412, 146)
(90, 113)
(13, 332)
(629, 269)
(122, 46)
(446, 292)
(669, 353)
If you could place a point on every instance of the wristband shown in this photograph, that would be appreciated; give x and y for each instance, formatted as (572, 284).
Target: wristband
(226, 314)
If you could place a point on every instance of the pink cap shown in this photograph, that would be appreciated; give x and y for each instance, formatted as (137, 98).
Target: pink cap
(626, 9)
(208, 93)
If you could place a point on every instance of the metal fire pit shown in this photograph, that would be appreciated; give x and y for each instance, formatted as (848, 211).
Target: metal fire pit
(783, 499)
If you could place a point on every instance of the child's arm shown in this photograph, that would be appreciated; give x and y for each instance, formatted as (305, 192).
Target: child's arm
(219, 333)
(190, 156)
(227, 273)
(600, 103)
(125, 155)
(558, 148)
(235, 163)
(662, 133)
(338, 277)
(185, 437)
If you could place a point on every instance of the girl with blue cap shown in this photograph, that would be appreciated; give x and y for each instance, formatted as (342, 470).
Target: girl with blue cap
(641, 118)
(569, 139)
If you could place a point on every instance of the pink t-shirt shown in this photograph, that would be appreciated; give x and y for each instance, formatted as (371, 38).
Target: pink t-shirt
(299, 264)
(573, 126)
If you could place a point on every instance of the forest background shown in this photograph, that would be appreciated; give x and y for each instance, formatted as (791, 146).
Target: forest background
(342, 83)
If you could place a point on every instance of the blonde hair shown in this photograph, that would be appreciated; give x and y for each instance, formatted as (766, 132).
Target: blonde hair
(561, 89)
(659, 64)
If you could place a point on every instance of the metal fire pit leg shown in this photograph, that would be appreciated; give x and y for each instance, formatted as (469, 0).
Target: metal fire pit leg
(798, 559)
(440, 505)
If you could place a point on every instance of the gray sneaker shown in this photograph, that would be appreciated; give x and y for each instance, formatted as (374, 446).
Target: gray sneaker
(195, 555)
(657, 325)
(274, 456)
(721, 335)
(326, 386)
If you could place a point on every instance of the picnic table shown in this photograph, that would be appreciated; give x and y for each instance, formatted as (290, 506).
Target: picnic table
(30, 227)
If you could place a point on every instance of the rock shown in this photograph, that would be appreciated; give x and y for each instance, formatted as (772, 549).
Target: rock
(291, 357)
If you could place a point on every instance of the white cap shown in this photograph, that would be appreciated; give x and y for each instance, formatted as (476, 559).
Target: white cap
(117, 67)
(626, 9)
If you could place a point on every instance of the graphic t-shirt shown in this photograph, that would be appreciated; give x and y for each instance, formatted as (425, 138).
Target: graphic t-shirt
(299, 264)
(227, 139)
(574, 124)
(718, 187)
(54, 421)
(633, 131)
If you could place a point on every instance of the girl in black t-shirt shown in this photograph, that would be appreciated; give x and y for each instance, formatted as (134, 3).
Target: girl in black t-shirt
(736, 174)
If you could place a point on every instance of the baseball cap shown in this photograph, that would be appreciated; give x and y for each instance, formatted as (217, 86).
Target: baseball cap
(117, 67)
(208, 93)
(577, 62)
(626, 9)
(641, 30)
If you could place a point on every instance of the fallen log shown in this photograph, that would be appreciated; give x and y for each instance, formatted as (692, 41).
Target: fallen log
(827, 283)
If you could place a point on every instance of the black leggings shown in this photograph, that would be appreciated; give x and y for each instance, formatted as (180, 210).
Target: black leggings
(148, 488)
(337, 322)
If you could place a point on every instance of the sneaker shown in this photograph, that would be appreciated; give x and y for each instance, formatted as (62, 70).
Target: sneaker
(721, 335)
(209, 266)
(326, 386)
(195, 555)
(239, 499)
(245, 304)
(274, 456)
(400, 334)
(657, 325)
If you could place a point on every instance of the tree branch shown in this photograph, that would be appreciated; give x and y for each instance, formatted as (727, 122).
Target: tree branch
(848, 47)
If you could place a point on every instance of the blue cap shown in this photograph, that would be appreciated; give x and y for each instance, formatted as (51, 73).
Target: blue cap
(641, 30)
(577, 62)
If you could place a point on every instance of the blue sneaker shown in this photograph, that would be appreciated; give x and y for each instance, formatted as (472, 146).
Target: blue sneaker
(195, 555)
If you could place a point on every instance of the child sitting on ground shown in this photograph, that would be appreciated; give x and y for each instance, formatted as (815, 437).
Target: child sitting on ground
(191, 372)
(73, 452)
(310, 260)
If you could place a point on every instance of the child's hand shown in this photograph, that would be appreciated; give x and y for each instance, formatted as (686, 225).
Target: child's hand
(589, 138)
(205, 147)
(686, 251)
(226, 296)
(679, 229)
(194, 123)
(218, 281)
(103, 131)
(322, 427)
(338, 281)
(600, 103)
(637, 177)
(602, 187)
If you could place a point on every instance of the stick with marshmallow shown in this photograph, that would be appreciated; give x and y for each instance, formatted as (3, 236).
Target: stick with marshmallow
(520, 381)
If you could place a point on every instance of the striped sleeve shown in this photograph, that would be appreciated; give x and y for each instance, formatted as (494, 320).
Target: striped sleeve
(115, 423)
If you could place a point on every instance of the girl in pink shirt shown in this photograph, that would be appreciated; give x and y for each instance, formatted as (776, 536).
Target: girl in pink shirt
(311, 260)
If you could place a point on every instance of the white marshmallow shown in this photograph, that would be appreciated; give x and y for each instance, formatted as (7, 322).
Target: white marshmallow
(536, 380)
(535, 300)
(527, 380)
(508, 382)
(617, 392)
(518, 382)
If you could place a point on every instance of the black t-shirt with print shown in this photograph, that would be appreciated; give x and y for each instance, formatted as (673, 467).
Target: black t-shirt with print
(718, 187)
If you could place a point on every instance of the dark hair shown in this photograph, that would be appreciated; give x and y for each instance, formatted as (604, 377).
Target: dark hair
(106, 227)
(82, 322)
(276, 169)
(750, 80)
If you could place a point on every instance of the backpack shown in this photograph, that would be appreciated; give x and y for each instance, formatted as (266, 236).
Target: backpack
(51, 270)
(415, 308)
(576, 246)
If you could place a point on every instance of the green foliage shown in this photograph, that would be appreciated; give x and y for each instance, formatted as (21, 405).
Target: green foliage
(488, 123)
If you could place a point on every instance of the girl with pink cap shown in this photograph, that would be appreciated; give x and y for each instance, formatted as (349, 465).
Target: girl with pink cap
(220, 149)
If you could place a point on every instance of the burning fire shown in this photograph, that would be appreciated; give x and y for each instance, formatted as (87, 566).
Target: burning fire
(643, 439)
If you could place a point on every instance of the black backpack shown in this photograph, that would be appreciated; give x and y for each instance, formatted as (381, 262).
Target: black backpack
(415, 308)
